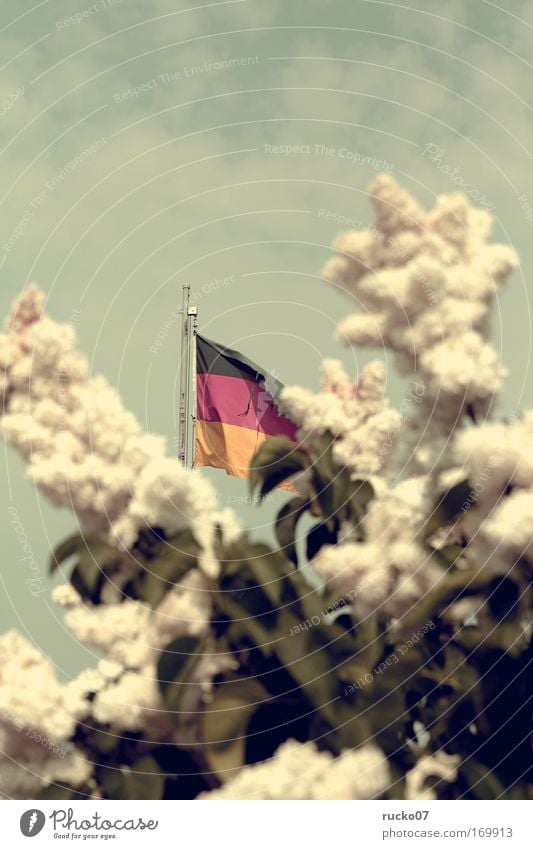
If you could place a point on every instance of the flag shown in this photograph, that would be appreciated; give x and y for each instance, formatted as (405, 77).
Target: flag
(236, 409)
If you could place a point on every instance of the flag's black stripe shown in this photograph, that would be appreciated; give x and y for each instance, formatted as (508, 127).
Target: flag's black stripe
(213, 358)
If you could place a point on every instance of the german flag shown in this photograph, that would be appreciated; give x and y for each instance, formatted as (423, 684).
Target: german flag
(236, 409)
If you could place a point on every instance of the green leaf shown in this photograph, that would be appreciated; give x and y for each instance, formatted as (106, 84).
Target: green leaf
(504, 597)
(325, 476)
(450, 588)
(250, 588)
(88, 581)
(482, 781)
(268, 572)
(285, 528)
(335, 492)
(174, 668)
(317, 537)
(96, 561)
(67, 549)
(306, 663)
(63, 792)
(452, 501)
(225, 721)
(362, 495)
(185, 541)
(277, 459)
(104, 741)
(143, 780)
(162, 573)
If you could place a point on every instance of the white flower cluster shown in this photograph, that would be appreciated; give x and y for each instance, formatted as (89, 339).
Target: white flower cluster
(424, 283)
(85, 450)
(358, 415)
(428, 770)
(37, 718)
(301, 771)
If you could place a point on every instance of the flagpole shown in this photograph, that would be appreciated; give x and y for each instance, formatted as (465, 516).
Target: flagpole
(187, 392)
(193, 314)
(183, 420)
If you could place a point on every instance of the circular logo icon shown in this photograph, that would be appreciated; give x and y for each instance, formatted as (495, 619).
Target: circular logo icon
(32, 822)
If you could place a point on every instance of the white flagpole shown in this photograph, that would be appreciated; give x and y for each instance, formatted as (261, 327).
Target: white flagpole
(187, 392)
(193, 315)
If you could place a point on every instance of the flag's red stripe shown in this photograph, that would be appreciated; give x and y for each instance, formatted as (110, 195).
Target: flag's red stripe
(243, 403)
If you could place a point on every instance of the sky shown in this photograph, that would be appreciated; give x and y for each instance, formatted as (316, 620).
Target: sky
(144, 146)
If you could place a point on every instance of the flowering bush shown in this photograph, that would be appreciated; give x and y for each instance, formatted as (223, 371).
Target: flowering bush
(389, 642)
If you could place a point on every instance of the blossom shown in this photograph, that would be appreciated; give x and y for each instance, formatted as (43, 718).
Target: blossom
(166, 495)
(424, 283)
(464, 367)
(29, 689)
(131, 632)
(301, 771)
(125, 703)
(87, 452)
(497, 461)
(390, 571)
(357, 414)
(123, 687)
(36, 723)
(84, 449)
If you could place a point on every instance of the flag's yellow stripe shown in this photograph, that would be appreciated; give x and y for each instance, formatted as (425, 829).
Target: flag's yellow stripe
(226, 446)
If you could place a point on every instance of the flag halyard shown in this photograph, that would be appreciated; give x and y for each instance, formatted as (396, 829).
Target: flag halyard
(236, 409)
